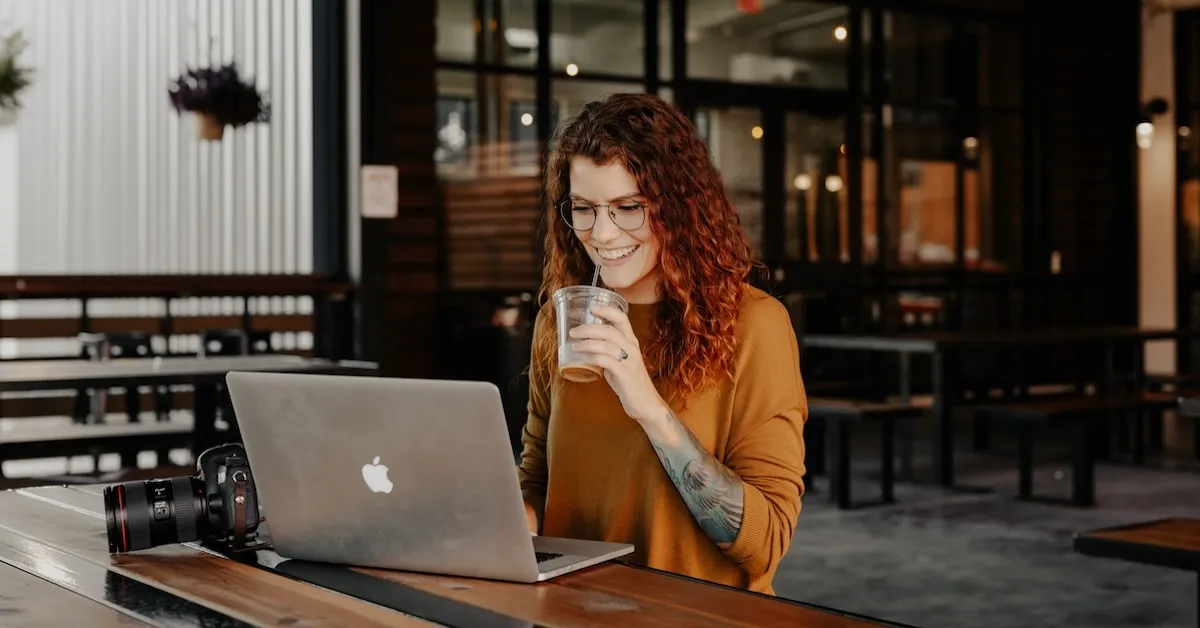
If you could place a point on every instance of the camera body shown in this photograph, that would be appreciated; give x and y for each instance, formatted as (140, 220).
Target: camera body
(218, 504)
(229, 487)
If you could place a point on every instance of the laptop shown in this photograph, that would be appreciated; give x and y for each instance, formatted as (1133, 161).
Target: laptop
(407, 474)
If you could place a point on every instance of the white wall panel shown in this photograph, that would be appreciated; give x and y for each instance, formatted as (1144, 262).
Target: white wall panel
(113, 180)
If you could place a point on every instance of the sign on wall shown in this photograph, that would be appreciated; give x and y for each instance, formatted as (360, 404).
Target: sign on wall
(380, 191)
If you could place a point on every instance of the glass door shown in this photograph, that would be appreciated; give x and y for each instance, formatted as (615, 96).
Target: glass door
(816, 216)
(786, 170)
(783, 157)
(735, 138)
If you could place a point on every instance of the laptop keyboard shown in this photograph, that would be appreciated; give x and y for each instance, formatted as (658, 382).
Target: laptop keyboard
(545, 556)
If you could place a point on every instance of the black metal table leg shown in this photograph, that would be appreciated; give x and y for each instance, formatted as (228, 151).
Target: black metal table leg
(1083, 464)
(1139, 438)
(838, 453)
(814, 446)
(133, 404)
(1196, 438)
(982, 434)
(943, 426)
(1025, 436)
(204, 427)
(906, 431)
(887, 470)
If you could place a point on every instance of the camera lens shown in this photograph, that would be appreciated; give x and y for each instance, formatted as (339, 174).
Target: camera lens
(141, 515)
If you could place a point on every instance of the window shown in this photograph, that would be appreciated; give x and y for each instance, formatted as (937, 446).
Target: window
(504, 35)
(796, 43)
(593, 37)
(956, 140)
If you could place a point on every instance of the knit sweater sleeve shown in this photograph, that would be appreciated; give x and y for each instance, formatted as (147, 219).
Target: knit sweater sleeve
(533, 471)
(766, 448)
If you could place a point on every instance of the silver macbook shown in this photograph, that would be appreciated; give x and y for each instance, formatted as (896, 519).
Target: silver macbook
(407, 474)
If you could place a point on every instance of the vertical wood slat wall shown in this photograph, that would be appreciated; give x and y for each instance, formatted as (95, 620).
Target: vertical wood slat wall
(113, 180)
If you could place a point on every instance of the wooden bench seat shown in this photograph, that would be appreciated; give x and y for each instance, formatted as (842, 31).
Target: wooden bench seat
(836, 418)
(35, 441)
(1084, 412)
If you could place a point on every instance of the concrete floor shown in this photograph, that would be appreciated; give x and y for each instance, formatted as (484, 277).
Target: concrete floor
(938, 559)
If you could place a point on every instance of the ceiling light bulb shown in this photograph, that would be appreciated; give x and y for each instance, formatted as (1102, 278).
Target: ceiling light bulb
(1144, 134)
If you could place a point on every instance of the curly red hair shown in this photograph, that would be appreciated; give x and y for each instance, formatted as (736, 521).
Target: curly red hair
(705, 258)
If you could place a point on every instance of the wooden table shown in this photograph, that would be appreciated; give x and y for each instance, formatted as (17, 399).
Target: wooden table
(1173, 543)
(55, 570)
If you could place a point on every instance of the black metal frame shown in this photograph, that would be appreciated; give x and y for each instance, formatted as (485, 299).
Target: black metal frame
(334, 328)
(1187, 280)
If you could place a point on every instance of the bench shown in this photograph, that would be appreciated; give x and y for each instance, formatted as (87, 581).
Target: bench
(837, 416)
(56, 441)
(1082, 411)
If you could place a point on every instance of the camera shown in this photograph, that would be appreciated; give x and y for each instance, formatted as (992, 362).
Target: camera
(218, 504)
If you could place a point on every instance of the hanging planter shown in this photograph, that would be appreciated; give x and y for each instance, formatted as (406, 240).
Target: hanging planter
(13, 78)
(218, 97)
(207, 127)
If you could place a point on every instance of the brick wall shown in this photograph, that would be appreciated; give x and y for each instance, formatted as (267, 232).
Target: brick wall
(1086, 91)
(401, 257)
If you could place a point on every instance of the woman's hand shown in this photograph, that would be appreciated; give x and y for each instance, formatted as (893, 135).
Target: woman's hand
(615, 349)
(532, 518)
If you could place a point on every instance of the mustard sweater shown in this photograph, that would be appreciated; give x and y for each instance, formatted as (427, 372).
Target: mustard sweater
(599, 478)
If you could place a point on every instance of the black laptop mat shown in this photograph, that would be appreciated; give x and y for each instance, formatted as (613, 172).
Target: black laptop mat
(396, 596)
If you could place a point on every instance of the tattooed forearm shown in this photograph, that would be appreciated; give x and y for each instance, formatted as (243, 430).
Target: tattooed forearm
(711, 491)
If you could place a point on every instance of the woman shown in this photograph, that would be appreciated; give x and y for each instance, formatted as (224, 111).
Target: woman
(691, 446)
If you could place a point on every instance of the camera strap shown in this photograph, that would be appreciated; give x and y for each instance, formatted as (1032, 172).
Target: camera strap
(239, 510)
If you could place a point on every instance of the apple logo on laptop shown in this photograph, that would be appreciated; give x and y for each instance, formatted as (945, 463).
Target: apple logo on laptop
(376, 477)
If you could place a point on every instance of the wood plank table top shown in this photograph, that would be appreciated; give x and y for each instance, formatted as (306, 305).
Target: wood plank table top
(58, 535)
(27, 375)
(32, 602)
(1173, 543)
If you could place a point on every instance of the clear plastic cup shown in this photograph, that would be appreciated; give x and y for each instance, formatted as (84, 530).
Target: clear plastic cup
(572, 308)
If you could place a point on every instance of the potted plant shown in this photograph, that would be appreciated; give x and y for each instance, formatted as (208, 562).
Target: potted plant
(219, 97)
(13, 78)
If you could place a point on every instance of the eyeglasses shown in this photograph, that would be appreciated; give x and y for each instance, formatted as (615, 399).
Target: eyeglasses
(580, 216)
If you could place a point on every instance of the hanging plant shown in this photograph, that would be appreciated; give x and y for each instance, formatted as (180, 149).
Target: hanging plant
(219, 97)
(13, 78)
